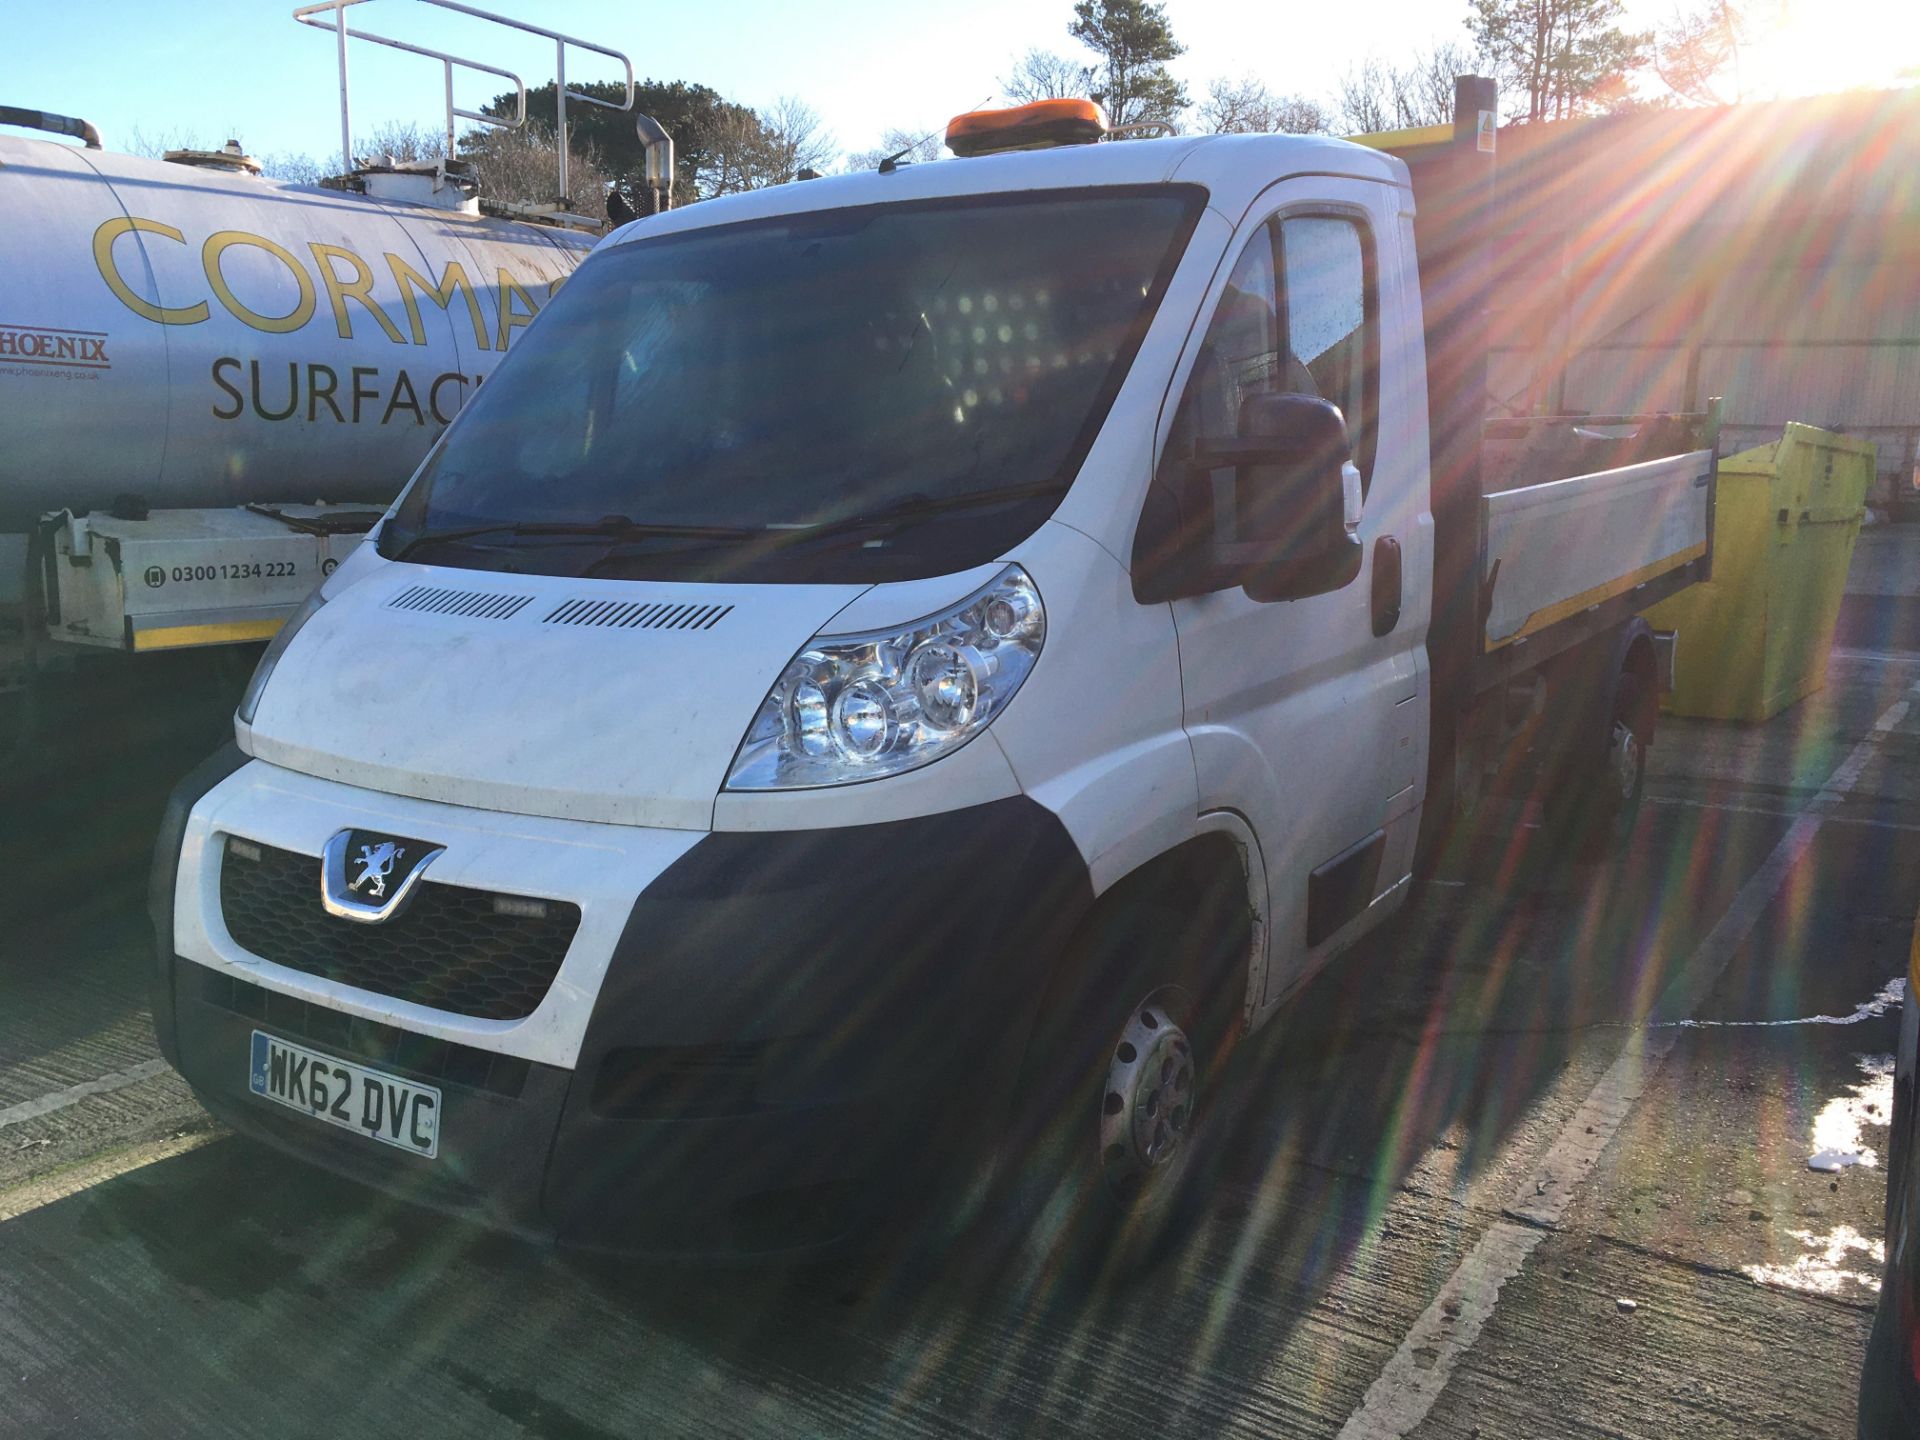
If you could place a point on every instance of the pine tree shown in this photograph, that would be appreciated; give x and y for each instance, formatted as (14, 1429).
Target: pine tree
(1568, 57)
(1134, 42)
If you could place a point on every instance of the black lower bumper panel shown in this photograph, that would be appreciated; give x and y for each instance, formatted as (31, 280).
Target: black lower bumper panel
(799, 1036)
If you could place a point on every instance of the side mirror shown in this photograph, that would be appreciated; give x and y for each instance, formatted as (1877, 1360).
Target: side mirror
(1289, 529)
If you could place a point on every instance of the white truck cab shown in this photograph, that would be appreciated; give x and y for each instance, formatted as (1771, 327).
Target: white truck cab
(895, 668)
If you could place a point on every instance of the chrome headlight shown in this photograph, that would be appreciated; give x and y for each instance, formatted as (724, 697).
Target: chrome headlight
(276, 647)
(857, 707)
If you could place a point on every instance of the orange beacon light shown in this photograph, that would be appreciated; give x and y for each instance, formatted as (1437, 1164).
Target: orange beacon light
(1037, 126)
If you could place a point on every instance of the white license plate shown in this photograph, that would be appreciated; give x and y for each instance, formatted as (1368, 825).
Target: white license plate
(382, 1107)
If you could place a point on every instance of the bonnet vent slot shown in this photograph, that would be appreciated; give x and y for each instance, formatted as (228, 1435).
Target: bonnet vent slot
(639, 615)
(474, 604)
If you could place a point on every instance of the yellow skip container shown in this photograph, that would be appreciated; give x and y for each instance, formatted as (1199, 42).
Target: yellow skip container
(1754, 638)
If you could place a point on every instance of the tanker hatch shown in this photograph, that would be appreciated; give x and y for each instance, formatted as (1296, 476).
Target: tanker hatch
(440, 186)
(229, 158)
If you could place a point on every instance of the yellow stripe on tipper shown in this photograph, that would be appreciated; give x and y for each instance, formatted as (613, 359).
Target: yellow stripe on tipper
(1406, 139)
(181, 637)
(1574, 604)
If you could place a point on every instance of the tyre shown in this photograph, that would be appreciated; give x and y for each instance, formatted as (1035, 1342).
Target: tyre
(1108, 1126)
(1597, 802)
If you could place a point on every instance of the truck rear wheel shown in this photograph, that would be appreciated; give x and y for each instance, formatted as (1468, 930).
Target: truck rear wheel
(1600, 796)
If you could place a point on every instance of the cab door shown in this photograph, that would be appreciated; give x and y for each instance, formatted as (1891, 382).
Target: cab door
(1304, 714)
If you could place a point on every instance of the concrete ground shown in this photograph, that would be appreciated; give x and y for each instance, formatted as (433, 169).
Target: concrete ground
(1533, 1162)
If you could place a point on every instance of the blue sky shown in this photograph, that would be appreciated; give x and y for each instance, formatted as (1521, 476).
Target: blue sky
(243, 67)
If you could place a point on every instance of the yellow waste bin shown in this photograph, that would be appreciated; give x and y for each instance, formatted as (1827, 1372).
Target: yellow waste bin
(1754, 638)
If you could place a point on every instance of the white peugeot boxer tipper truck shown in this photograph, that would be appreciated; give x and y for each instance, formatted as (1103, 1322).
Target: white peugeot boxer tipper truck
(907, 668)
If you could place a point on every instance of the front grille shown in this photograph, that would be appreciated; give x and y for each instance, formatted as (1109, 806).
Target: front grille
(451, 950)
(360, 1039)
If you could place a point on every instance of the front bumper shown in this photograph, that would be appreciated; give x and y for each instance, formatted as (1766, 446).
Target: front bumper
(798, 1035)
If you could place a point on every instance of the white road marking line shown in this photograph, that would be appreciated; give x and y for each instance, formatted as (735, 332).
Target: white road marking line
(97, 1171)
(1885, 657)
(60, 1099)
(1672, 800)
(1404, 1392)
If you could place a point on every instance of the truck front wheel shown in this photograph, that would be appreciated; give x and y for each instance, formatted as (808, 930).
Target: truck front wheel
(1108, 1118)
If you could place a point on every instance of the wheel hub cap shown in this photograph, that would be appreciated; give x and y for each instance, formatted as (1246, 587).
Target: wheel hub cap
(1626, 759)
(1148, 1105)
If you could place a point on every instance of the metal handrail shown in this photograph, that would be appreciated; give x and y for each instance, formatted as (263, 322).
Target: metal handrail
(560, 43)
(309, 15)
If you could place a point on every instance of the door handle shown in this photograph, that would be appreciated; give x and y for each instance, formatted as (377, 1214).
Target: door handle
(1386, 584)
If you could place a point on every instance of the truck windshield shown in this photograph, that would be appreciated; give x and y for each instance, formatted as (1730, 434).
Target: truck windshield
(886, 392)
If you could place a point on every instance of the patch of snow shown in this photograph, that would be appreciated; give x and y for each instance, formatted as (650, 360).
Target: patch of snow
(1824, 1270)
(1889, 995)
(1836, 1130)
(1832, 1161)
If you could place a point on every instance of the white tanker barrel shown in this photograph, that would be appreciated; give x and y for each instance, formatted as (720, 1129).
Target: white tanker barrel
(200, 338)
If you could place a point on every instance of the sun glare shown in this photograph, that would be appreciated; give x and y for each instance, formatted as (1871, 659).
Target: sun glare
(1817, 47)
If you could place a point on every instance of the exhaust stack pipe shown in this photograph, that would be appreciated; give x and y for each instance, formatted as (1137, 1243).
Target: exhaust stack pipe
(659, 161)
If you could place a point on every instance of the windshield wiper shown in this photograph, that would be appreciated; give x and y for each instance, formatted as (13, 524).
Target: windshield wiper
(912, 507)
(613, 527)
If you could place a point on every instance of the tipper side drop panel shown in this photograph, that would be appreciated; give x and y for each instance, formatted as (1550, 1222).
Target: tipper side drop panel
(1548, 529)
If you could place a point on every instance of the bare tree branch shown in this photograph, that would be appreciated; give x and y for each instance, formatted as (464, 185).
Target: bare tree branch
(522, 167)
(910, 147)
(154, 147)
(1423, 91)
(1363, 100)
(1248, 107)
(799, 138)
(404, 141)
(749, 150)
(1375, 96)
(294, 169)
(1042, 75)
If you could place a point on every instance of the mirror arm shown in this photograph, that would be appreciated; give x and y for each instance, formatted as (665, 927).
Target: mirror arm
(1240, 557)
(1231, 453)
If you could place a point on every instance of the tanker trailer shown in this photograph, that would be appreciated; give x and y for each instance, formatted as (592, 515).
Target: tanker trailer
(211, 384)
